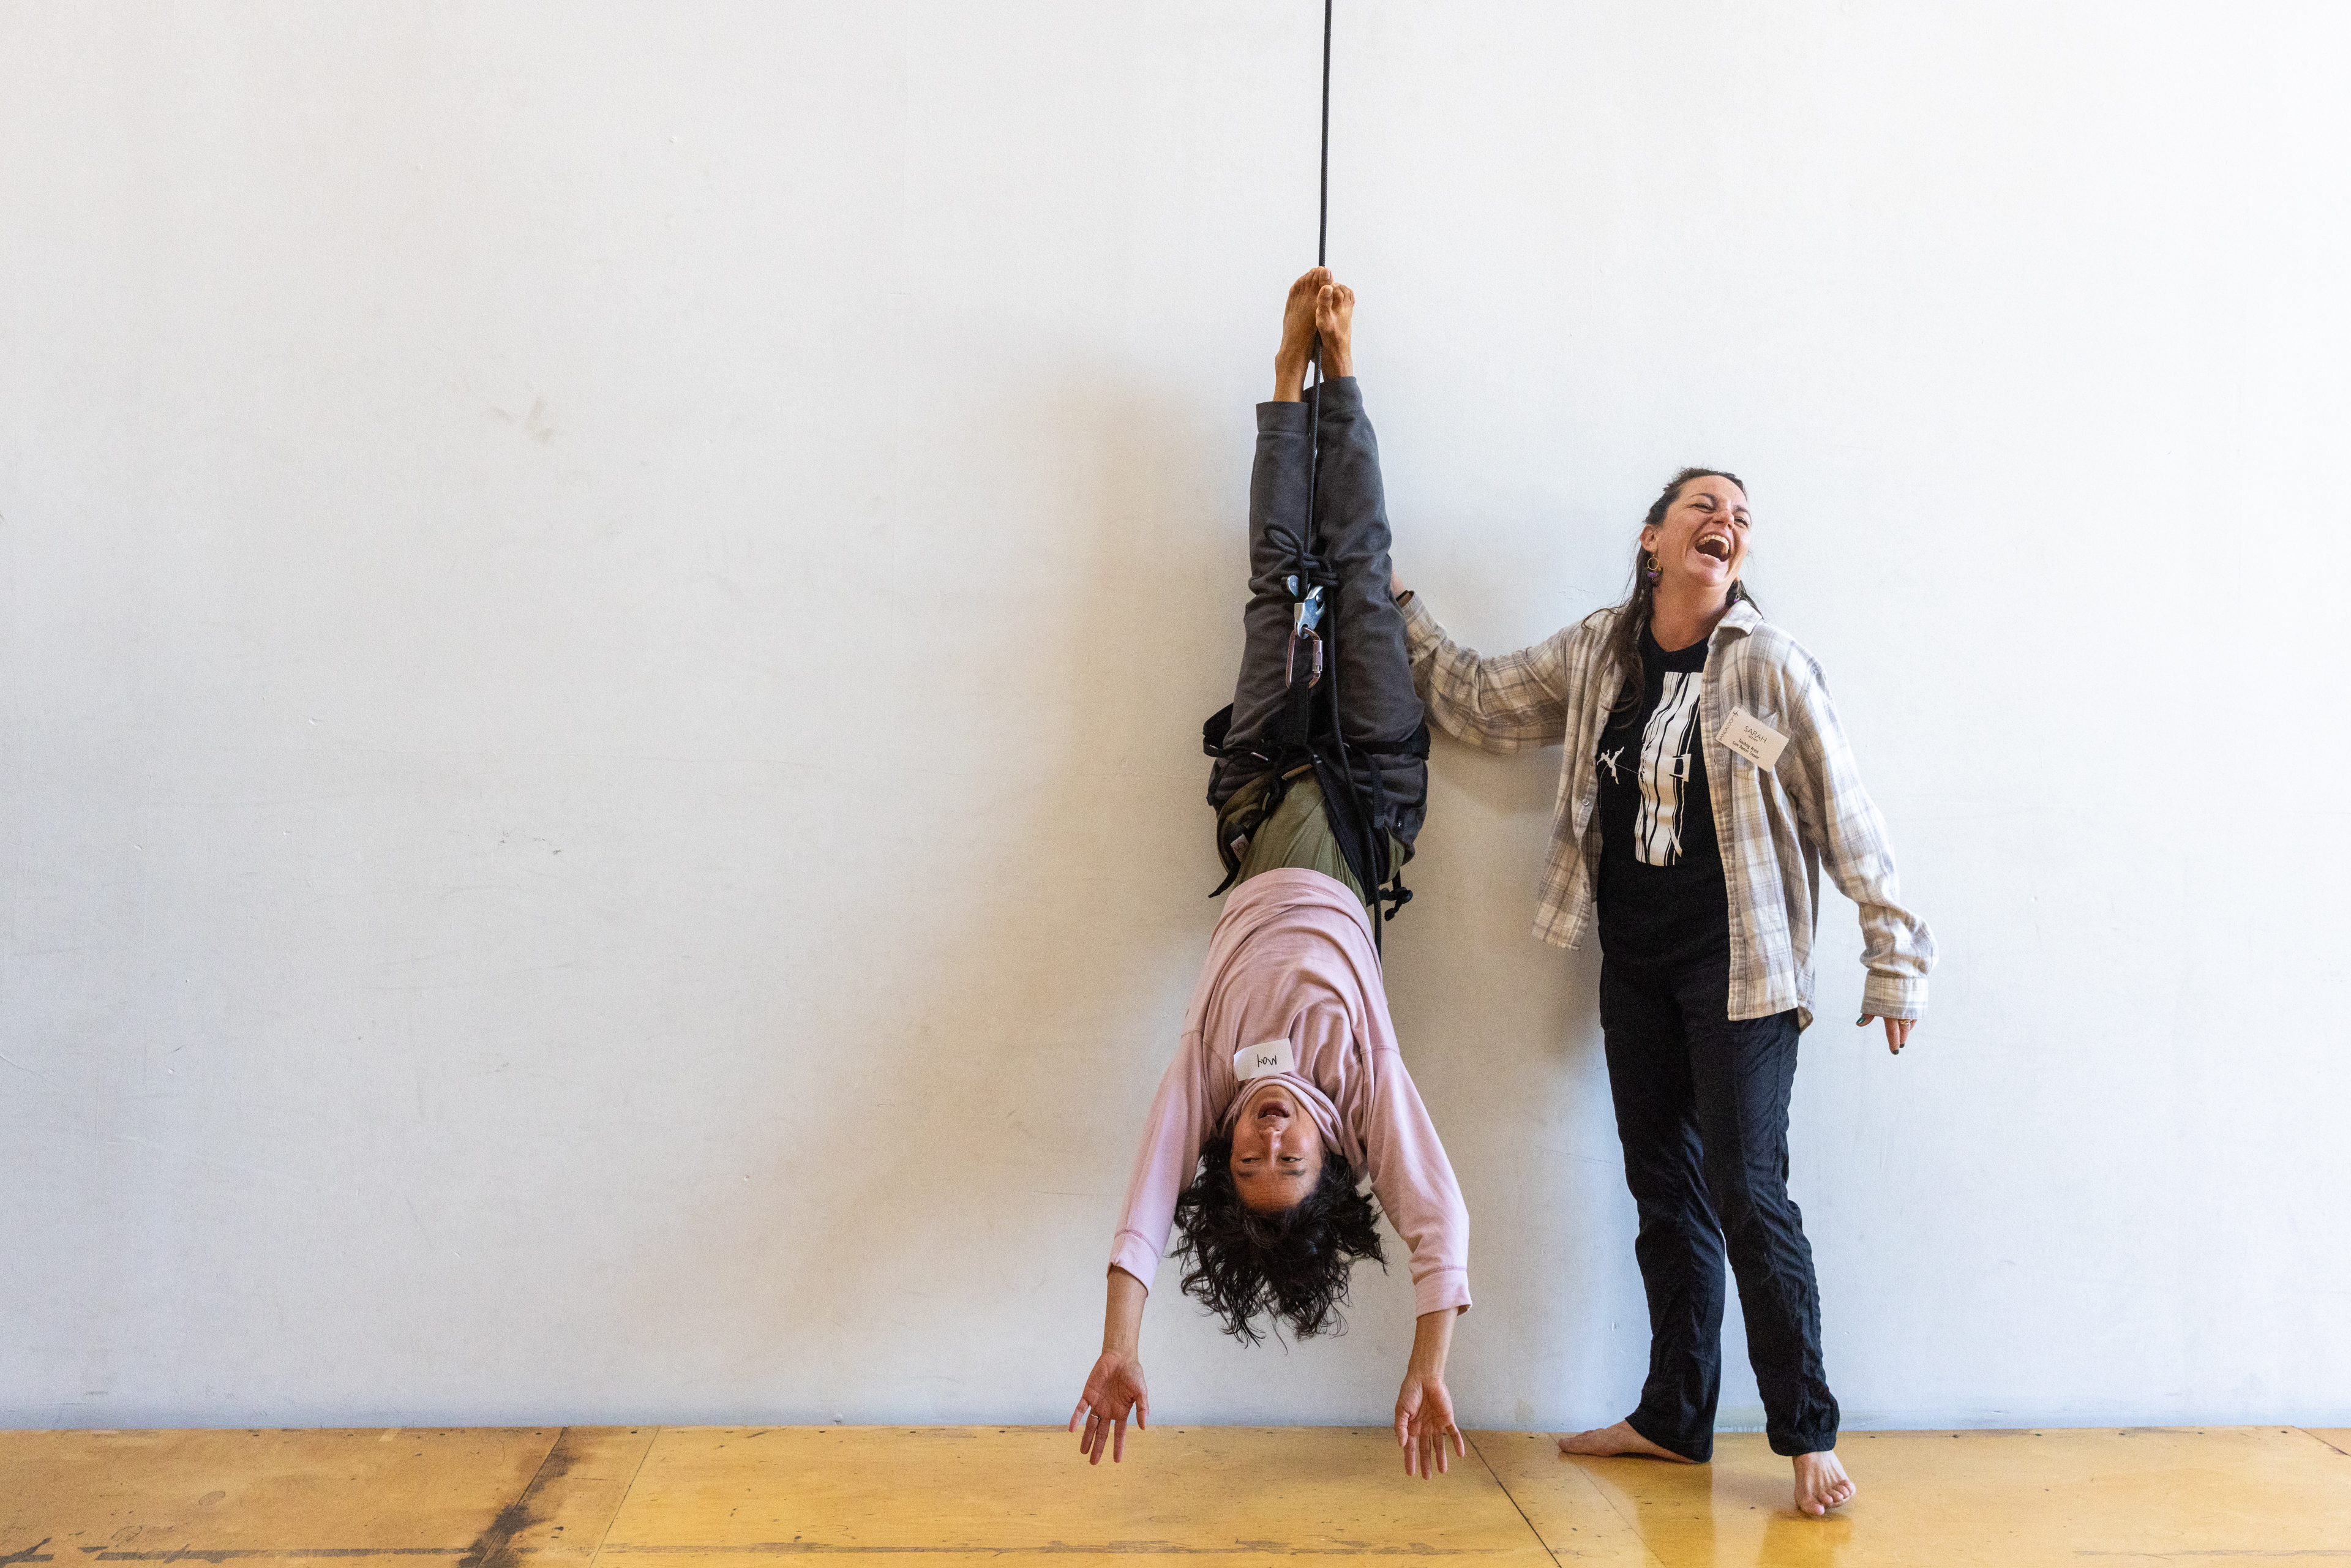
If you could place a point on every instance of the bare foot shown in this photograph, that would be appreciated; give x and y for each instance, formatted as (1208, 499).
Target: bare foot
(1822, 1483)
(1621, 1441)
(1335, 323)
(1297, 333)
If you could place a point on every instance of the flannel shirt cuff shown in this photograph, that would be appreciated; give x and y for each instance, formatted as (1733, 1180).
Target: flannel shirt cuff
(1893, 996)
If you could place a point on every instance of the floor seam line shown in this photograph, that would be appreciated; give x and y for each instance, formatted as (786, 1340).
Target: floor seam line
(1477, 1449)
(626, 1493)
(1629, 1523)
(498, 1540)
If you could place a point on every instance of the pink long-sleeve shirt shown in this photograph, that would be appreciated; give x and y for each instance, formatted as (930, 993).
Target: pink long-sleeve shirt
(1292, 958)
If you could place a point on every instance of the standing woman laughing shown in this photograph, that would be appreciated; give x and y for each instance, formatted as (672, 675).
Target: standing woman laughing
(1705, 782)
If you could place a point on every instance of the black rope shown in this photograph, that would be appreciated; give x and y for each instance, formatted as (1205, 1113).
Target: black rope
(1323, 227)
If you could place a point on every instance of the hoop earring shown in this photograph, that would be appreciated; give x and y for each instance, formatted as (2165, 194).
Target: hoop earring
(1651, 570)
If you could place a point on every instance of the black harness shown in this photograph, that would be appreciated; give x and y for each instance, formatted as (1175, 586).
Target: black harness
(1308, 735)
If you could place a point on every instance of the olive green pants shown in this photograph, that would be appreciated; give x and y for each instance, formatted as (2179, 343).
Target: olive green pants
(1297, 835)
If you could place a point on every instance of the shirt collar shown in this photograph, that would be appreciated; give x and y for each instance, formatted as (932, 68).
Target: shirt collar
(1742, 618)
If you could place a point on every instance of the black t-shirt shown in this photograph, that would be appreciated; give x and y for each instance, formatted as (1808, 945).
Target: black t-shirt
(1662, 900)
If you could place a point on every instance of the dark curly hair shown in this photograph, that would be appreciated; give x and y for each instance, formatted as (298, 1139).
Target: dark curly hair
(1291, 1264)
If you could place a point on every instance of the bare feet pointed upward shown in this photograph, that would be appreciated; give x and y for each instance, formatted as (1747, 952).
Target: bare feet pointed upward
(1619, 1441)
(1318, 310)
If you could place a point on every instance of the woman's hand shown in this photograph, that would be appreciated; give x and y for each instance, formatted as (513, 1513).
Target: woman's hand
(1114, 1389)
(1424, 1412)
(1897, 1030)
(1423, 1423)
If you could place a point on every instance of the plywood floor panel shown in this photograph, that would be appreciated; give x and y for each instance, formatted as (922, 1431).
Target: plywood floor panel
(287, 1496)
(1960, 1500)
(1208, 1495)
(563, 1520)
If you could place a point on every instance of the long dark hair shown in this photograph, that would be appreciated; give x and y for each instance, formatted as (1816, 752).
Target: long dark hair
(1623, 652)
(1291, 1264)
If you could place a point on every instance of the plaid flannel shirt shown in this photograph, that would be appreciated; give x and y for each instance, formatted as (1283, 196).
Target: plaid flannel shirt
(1776, 826)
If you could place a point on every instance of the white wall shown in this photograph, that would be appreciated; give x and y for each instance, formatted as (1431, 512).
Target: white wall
(608, 608)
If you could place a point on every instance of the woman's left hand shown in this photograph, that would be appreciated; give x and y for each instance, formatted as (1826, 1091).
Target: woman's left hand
(1897, 1030)
(1423, 1420)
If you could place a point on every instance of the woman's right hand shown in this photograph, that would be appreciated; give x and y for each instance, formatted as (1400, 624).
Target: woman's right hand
(1114, 1389)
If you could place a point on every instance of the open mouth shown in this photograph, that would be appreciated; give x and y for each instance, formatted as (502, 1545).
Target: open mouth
(1716, 547)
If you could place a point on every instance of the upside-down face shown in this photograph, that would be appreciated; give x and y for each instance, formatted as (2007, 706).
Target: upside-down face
(1276, 1148)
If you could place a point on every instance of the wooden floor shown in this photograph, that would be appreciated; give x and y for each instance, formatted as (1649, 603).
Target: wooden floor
(705, 1497)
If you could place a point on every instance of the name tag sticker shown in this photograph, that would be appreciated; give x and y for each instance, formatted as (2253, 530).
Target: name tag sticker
(1753, 740)
(1263, 1061)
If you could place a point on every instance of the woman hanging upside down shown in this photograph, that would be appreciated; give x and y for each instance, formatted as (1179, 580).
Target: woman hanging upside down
(1288, 1087)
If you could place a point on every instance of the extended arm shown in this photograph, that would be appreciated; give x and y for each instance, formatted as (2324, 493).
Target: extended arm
(1417, 1187)
(1423, 1409)
(1836, 814)
(1114, 1389)
(1171, 1147)
(1510, 702)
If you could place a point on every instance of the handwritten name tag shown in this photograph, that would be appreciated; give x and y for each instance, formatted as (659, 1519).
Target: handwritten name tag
(1263, 1061)
(1753, 740)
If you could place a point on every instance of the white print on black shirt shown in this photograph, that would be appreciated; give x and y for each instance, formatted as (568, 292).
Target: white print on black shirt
(1666, 743)
(1608, 760)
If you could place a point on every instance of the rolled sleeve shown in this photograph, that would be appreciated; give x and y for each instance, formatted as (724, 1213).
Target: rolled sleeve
(1894, 996)
(1440, 1288)
(1129, 1251)
(1416, 1186)
(1172, 1135)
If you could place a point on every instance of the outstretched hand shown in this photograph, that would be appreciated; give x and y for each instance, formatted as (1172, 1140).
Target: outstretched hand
(1114, 1389)
(1423, 1420)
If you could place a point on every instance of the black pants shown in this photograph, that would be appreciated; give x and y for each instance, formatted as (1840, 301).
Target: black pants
(1702, 1109)
(1376, 703)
